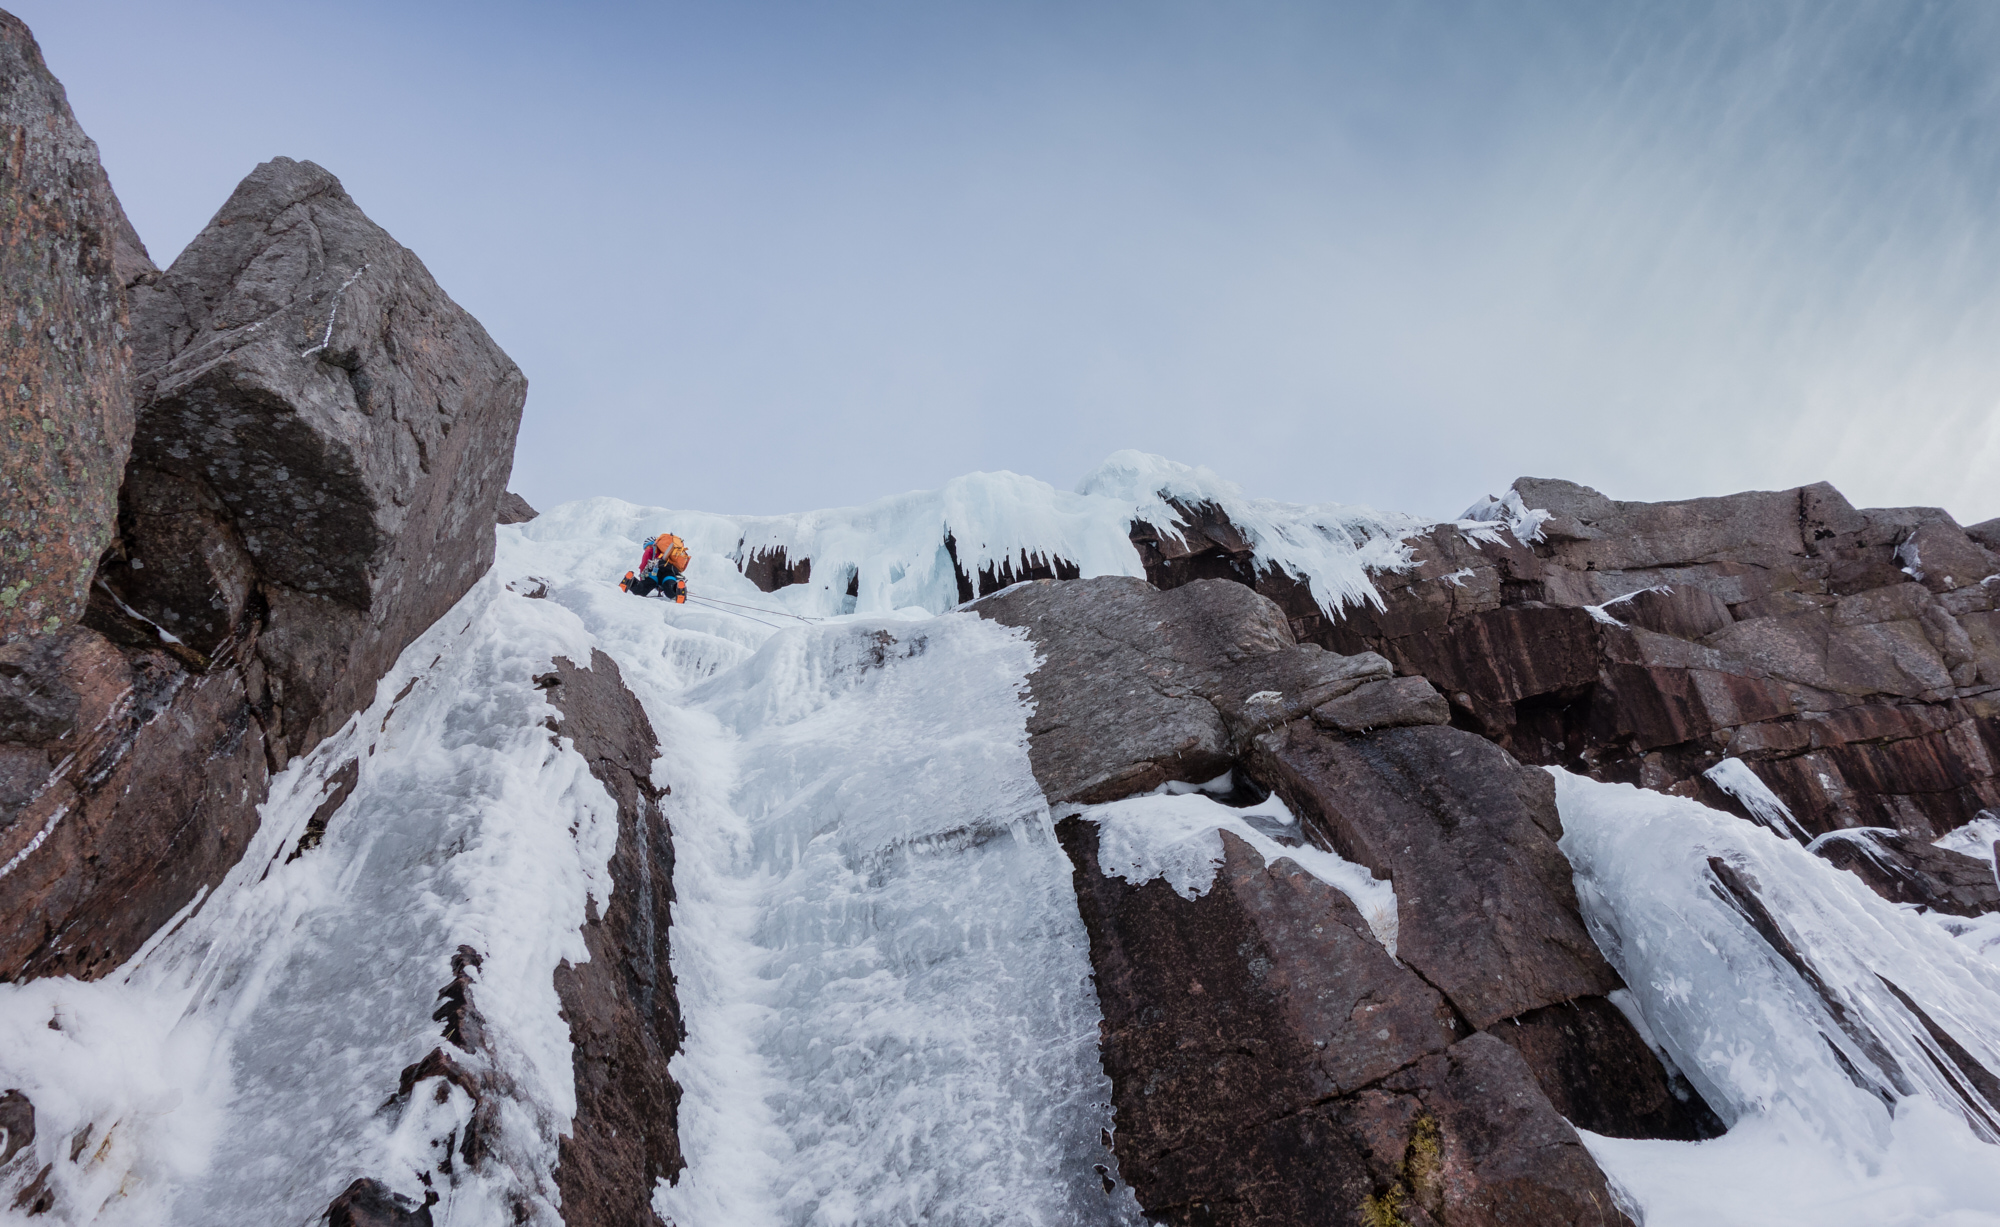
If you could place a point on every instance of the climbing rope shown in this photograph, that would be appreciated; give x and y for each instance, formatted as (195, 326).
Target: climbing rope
(782, 613)
(732, 613)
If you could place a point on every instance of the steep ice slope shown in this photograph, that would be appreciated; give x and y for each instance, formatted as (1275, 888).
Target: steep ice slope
(1850, 1058)
(885, 981)
(881, 967)
(235, 1071)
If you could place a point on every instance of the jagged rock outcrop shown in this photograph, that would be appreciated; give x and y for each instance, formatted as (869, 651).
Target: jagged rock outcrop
(1141, 687)
(1850, 657)
(514, 509)
(324, 430)
(322, 439)
(624, 1017)
(1903, 869)
(65, 351)
(1270, 1061)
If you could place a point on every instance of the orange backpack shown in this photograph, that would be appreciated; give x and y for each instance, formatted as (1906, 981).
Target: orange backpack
(673, 549)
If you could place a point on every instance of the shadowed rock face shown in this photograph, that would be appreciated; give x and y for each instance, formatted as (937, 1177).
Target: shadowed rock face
(1486, 908)
(624, 1017)
(1850, 657)
(1270, 1062)
(313, 481)
(66, 427)
(317, 423)
(1906, 870)
(514, 509)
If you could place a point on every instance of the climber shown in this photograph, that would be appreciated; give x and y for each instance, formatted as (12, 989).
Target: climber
(662, 569)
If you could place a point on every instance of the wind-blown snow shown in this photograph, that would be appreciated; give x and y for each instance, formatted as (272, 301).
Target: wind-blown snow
(1175, 833)
(1833, 1083)
(1507, 511)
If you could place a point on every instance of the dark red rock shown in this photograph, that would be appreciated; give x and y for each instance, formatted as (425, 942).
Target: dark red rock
(1906, 869)
(67, 426)
(1986, 533)
(1485, 904)
(1394, 702)
(513, 509)
(313, 481)
(370, 1203)
(1600, 1075)
(1007, 572)
(1271, 1064)
(771, 569)
(1685, 612)
(338, 431)
(624, 1016)
(1763, 626)
(107, 831)
(17, 1125)
(1505, 1158)
(1140, 687)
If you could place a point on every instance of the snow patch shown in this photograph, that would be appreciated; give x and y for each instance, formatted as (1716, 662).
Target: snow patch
(1481, 521)
(1177, 836)
(1975, 838)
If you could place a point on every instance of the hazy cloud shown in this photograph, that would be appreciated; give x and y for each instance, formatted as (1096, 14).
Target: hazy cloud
(774, 256)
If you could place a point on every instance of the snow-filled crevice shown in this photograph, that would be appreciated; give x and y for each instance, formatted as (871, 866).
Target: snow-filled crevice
(884, 977)
(1839, 1034)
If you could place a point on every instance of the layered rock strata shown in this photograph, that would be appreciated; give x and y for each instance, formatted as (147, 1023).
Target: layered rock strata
(1271, 1061)
(322, 439)
(1850, 657)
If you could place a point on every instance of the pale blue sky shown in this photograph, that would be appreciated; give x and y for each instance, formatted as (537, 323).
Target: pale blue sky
(765, 257)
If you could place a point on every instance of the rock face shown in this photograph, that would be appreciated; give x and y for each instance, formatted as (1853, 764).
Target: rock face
(1850, 657)
(1486, 907)
(624, 1017)
(68, 415)
(1906, 870)
(322, 440)
(1271, 1064)
(514, 509)
(1270, 1061)
(322, 428)
(1141, 687)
